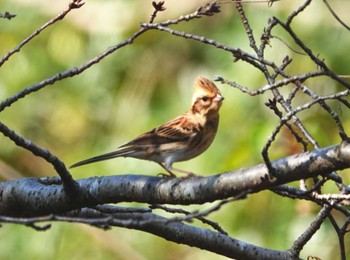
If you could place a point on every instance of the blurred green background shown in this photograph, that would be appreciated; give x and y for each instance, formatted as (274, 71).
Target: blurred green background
(143, 85)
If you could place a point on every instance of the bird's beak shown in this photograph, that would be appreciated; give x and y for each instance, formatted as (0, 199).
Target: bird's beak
(218, 97)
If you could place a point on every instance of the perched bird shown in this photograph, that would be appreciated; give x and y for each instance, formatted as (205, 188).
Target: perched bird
(180, 139)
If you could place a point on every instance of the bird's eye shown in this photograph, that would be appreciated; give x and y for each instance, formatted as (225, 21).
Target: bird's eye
(205, 99)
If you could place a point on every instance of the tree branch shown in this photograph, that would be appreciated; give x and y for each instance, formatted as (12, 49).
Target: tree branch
(70, 186)
(33, 197)
(72, 5)
(174, 231)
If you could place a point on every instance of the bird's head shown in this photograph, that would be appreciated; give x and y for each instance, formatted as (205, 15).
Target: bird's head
(206, 97)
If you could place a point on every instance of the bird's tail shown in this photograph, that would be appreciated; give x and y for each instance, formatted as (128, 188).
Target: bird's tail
(119, 153)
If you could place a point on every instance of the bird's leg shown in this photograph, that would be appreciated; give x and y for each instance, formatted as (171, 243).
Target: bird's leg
(171, 174)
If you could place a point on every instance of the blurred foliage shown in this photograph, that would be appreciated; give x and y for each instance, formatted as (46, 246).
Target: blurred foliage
(143, 85)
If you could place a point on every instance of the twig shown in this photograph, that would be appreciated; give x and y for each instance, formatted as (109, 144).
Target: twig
(236, 52)
(335, 15)
(273, 106)
(158, 7)
(204, 10)
(294, 193)
(209, 9)
(109, 209)
(292, 113)
(340, 237)
(266, 36)
(71, 187)
(296, 12)
(289, 47)
(189, 216)
(68, 182)
(301, 241)
(313, 57)
(68, 73)
(330, 111)
(72, 5)
(331, 197)
(280, 83)
(247, 27)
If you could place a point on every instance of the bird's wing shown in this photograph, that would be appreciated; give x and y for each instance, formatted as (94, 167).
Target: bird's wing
(179, 129)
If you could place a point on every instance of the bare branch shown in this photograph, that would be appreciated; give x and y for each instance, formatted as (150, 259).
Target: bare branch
(310, 231)
(280, 83)
(309, 52)
(73, 5)
(296, 12)
(68, 73)
(335, 15)
(31, 201)
(158, 7)
(70, 186)
(30, 195)
(193, 236)
(247, 27)
(189, 216)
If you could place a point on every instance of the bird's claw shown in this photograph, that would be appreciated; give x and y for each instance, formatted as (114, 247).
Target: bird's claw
(165, 175)
(189, 175)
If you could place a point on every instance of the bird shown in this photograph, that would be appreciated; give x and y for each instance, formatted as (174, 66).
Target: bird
(181, 138)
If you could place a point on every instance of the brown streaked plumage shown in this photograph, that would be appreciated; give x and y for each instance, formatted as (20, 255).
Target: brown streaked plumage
(180, 139)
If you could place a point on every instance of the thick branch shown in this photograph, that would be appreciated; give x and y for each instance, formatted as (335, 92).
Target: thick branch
(198, 237)
(32, 197)
(174, 231)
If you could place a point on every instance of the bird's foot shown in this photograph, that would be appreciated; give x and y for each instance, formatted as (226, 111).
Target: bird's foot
(166, 175)
(189, 175)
